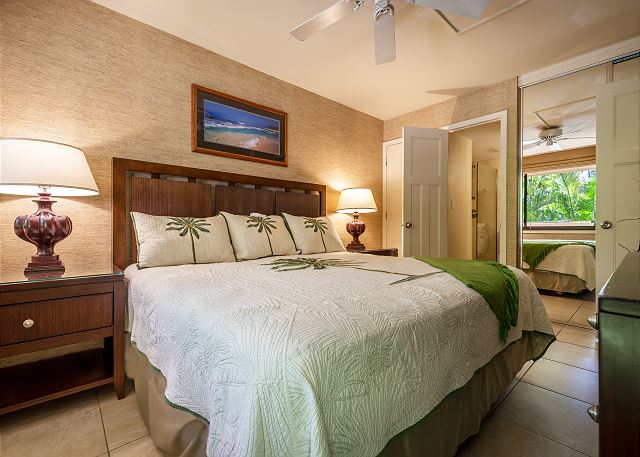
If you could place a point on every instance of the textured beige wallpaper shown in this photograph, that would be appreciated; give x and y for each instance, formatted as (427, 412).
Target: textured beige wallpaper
(75, 72)
(499, 97)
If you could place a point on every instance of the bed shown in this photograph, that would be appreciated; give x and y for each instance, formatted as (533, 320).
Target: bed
(569, 268)
(245, 358)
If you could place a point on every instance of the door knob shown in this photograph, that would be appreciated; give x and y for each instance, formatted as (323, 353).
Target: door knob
(594, 413)
(593, 321)
(408, 225)
(606, 225)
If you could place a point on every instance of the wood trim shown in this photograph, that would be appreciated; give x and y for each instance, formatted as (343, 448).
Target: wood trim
(50, 292)
(194, 127)
(54, 342)
(60, 284)
(118, 338)
(119, 182)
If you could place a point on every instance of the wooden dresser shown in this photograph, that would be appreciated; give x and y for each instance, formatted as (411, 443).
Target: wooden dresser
(37, 315)
(391, 252)
(618, 413)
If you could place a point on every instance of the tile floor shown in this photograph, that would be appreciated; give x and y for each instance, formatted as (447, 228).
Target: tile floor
(542, 413)
(545, 411)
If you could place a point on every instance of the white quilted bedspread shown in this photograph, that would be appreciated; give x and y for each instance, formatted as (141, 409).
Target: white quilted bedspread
(572, 259)
(314, 362)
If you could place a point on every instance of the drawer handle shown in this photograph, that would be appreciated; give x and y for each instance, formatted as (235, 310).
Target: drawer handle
(594, 413)
(28, 323)
(594, 321)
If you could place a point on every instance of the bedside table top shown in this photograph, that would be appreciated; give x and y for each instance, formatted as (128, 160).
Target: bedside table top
(16, 277)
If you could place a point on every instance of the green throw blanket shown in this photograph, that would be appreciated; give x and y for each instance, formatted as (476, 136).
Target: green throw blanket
(534, 252)
(496, 283)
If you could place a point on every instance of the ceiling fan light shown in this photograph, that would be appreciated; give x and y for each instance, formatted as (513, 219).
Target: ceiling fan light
(549, 142)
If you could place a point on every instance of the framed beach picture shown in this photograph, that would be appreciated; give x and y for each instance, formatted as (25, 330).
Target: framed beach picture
(232, 127)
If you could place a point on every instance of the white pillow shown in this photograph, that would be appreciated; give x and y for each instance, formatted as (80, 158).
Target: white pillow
(257, 236)
(165, 240)
(313, 234)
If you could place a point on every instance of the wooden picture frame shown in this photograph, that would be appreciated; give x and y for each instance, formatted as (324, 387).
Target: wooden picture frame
(229, 126)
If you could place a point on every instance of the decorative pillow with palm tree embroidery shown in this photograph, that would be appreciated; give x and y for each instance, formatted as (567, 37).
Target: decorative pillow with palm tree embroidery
(165, 241)
(258, 235)
(313, 235)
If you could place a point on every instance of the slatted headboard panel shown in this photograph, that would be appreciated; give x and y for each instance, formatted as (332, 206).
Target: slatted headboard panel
(168, 190)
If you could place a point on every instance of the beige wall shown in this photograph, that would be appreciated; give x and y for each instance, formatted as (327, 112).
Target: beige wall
(498, 97)
(459, 222)
(75, 72)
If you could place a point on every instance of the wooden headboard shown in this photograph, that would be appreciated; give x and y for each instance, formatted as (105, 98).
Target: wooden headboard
(169, 190)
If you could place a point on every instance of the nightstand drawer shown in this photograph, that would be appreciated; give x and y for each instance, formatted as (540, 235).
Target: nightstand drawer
(47, 318)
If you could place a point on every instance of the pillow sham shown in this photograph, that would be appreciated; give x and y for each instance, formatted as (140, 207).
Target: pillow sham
(313, 235)
(257, 235)
(165, 240)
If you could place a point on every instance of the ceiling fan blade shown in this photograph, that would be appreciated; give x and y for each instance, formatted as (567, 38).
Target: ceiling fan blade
(324, 19)
(532, 145)
(578, 138)
(384, 31)
(531, 141)
(469, 8)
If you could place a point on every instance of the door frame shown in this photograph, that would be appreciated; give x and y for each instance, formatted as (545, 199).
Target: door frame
(385, 144)
(502, 172)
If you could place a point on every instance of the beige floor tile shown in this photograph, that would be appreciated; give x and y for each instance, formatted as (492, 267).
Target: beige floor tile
(560, 309)
(142, 447)
(580, 317)
(571, 354)
(49, 408)
(556, 327)
(557, 417)
(580, 336)
(70, 432)
(524, 369)
(121, 418)
(564, 379)
(500, 437)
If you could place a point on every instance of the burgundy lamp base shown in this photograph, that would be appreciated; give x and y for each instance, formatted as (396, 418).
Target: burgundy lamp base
(43, 229)
(355, 228)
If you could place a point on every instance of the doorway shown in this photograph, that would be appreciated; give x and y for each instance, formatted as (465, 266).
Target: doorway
(456, 199)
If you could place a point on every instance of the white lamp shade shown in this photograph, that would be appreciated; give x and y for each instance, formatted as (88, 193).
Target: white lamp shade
(356, 199)
(28, 165)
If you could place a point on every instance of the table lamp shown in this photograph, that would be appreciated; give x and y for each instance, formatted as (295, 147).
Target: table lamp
(356, 200)
(45, 168)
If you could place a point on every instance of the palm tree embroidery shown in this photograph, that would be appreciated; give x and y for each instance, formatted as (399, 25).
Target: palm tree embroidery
(302, 263)
(318, 225)
(263, 223)
(188, 225)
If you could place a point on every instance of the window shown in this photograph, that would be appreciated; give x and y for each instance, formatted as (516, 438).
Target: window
(560, 200)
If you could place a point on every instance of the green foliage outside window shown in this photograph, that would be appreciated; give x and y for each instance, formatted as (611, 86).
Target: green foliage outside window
(561, 197)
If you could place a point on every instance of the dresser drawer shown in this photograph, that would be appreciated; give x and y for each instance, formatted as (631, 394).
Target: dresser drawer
(43, 319)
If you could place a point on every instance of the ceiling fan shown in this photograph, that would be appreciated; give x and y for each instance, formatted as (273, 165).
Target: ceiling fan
(551, 137)
(383, 20)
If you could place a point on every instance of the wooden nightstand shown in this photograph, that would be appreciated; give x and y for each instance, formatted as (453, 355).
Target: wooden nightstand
(391, 252)
(48, 313)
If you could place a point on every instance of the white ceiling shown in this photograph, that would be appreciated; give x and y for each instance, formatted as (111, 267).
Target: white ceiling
(485, 141)
(569, 103)
(432, 63)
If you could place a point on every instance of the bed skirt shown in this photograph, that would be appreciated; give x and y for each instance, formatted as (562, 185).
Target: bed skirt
(557, 282)
(178, 433)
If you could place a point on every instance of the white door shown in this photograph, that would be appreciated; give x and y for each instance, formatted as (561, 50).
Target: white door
(425, 192)
(618, 168)
(392, 157)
